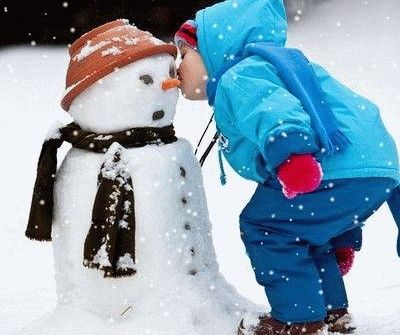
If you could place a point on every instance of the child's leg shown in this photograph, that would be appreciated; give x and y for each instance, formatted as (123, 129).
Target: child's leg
(331, 279)
(284, 266)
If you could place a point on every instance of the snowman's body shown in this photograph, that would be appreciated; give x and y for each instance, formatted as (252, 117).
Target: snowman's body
(177, 288)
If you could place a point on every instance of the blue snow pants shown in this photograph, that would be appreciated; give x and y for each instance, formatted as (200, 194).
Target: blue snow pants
(289, 242)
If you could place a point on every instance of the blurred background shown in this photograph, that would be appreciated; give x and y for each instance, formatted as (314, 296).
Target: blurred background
(61, 22)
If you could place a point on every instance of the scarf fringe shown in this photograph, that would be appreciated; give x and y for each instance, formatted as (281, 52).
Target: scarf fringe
(109, 271)
(338, 142)
(35, 237)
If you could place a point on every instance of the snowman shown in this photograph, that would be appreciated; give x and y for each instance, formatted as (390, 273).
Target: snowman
(126, 211)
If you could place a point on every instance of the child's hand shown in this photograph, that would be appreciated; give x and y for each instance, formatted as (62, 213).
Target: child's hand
(299, 174)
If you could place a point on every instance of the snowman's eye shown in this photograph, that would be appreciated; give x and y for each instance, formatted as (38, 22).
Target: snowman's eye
(172, 71)
(147, 79)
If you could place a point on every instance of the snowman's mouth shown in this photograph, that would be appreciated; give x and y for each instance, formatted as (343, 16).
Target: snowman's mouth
(158, 115)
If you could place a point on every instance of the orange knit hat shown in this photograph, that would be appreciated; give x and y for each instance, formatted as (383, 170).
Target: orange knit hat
(105, 49)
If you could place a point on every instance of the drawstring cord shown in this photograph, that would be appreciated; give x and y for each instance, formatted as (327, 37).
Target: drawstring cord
(204, 133)
(204, 156)
(222, 176)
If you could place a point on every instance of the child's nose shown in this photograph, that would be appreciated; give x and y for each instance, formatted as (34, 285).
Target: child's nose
(170, 83)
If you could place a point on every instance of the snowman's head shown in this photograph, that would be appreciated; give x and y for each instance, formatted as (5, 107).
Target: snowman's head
(141, 94)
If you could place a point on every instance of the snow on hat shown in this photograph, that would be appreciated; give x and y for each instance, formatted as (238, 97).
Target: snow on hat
(105, 49)
(187, 34)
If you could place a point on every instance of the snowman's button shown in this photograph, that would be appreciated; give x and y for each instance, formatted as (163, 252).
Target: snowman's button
(193, 272)
(187, 226)
(158, 115)
(192, 251)
(184, 200)
(183, 171)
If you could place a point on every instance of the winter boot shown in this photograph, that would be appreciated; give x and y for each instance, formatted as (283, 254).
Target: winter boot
(340, 321)
(267, 325)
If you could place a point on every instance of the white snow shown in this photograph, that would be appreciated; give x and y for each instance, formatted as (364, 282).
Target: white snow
(54, 130)
(131, 40)
(123, 224)
(362, 51)
(89, 48)
(111, 168)
(126, 262)
(70, 88)
(103, 137)
(102, 257)
(112, 51)
(156, 41)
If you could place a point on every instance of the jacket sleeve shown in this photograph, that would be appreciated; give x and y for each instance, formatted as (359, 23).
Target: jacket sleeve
(267, 114)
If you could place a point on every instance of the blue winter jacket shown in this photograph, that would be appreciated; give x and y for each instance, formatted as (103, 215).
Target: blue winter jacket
(262, 123)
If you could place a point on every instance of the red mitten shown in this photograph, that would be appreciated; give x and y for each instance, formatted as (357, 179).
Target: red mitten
(345, 259)
(299, 174)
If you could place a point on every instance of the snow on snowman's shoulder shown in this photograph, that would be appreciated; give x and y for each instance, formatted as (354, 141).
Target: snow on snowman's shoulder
(160, 157)
(54, 131)
(184, 143)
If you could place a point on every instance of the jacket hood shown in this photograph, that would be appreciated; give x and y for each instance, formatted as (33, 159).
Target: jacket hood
(223, 30)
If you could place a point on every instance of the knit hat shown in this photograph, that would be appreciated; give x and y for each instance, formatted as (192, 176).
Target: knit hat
(187, 34)
(105, 49)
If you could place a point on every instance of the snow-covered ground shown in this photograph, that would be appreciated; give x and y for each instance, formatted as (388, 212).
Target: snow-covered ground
(358, 41)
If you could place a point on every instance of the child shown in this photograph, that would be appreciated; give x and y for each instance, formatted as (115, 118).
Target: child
(320, 153)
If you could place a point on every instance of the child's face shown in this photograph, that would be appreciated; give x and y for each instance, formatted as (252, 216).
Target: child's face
(192, 74)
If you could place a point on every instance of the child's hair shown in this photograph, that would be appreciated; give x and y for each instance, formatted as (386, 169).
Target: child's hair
(187, 34)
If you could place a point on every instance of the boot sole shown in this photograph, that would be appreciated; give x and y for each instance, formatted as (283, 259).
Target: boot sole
(346, 331)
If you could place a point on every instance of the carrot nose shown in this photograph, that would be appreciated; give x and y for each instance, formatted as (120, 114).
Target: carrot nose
(170, 83)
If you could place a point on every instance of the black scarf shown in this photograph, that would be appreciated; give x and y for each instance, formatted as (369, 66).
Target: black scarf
(110, 243)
